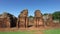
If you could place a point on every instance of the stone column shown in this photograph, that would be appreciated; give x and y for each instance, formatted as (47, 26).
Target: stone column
(38, 20)
(26, 19)
(23, 19)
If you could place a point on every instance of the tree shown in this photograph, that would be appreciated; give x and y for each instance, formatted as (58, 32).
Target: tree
(45, 14)
(56, 15)
(30, 16)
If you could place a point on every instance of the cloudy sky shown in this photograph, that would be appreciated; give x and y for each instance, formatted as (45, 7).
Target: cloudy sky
(16, 6)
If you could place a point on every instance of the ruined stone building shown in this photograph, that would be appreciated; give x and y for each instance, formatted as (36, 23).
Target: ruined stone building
(23, 19)
(38, 19)
(4, 21)
(51, 22)
(48, 20)
(7, 20)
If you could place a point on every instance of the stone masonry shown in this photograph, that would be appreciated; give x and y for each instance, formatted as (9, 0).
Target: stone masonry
(38, 19)
(23, 19)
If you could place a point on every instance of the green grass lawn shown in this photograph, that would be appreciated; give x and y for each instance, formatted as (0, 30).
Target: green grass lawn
(53, 31)
(18, 32)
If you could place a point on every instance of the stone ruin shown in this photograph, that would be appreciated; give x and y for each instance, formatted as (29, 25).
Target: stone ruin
(23, 19)
(4, 21)
(7, 20)
(38, 19)
(49, 20)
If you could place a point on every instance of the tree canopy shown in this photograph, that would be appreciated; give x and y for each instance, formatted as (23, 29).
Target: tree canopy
(56, 15)
(30, 16)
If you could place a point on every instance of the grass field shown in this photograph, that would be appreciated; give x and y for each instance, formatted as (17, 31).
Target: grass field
(18, 32)
(52, 31)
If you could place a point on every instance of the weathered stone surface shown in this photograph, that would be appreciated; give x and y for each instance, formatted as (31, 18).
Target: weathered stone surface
(38, 19)
(45, 17)
(7, 20)
(23, 18)
(4, 21)
(50, 20)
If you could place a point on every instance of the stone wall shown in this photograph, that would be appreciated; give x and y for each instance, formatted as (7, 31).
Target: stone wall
(38, 19)
(7, 20)
(23, 19)
(50, 20)
(4, 21)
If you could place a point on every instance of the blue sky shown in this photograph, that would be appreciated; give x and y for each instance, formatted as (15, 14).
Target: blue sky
(16, 6)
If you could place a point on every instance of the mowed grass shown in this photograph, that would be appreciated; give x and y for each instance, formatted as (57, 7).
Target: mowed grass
(52, 31)
(18, 32)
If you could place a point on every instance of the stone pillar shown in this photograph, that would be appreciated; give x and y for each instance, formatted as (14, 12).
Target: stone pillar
(26, 22)
(38, 20)
(23, 19)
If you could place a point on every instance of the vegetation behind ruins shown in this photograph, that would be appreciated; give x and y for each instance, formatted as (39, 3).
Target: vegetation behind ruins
(56, 15)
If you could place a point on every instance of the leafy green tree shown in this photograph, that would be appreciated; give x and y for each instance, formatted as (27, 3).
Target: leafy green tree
(45, 14)
(30, 16)
(56, 15)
